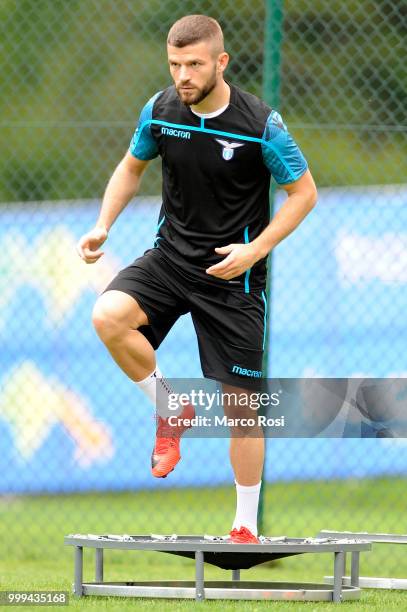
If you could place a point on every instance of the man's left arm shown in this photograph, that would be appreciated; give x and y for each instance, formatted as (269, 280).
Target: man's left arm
(288, 166)
(302, 197)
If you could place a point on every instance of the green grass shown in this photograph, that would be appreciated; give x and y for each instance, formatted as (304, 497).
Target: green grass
(33, 556)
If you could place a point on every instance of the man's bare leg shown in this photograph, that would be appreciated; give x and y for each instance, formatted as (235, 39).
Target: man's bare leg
(117, 317)
(246, 444)
(247, 459)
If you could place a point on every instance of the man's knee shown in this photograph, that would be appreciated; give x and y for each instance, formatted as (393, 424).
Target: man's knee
(106, 321)
(113, 316)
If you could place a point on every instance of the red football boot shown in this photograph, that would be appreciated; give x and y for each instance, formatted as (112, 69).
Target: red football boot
(166, 452)
(243, 536)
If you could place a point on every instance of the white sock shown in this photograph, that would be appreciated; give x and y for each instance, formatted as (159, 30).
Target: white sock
(149, 387)
(247, 503)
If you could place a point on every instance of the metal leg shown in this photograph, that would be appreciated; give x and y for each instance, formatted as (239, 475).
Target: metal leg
(339, 564)
(344, 564)
(77, 587)
(199, 576)
(354, 576)
(98, 564)
(236, 574)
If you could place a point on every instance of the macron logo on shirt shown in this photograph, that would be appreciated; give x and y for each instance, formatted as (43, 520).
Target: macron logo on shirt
(177, 133)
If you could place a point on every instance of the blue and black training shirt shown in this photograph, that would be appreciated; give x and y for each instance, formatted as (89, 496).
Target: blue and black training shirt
(216, 177)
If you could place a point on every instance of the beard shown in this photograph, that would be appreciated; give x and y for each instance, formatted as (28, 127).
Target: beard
(196, 95)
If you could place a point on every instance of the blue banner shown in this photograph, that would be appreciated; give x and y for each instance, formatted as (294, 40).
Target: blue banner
(69, 418)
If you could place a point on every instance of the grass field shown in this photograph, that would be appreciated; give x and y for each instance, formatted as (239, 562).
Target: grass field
(33, 556)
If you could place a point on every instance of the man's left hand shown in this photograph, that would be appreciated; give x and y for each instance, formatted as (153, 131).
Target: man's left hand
(239, 258)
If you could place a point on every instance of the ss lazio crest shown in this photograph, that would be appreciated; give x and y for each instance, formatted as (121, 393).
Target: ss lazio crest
(228, 148)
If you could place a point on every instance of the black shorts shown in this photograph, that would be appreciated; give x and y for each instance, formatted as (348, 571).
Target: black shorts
(230, 325)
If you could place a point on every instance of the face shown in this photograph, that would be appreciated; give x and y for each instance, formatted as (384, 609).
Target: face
(195, 70)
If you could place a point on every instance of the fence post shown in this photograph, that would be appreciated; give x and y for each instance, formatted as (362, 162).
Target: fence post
(273, 35)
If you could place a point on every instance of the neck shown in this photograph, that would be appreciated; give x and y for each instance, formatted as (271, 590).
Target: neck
(219, 96)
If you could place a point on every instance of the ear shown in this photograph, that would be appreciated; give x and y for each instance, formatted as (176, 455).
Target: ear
(223, 61)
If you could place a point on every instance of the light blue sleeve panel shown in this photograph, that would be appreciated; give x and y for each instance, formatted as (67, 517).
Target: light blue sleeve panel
(142, 145)
(281, 154)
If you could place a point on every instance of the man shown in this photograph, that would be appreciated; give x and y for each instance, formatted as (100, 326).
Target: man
(218, 146)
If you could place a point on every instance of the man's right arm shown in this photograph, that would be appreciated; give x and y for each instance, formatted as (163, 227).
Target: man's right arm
(122, 187)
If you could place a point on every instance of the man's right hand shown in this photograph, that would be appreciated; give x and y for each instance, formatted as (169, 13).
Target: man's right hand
(88, 245)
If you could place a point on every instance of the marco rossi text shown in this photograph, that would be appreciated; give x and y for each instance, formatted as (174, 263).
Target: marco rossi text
(224, 421)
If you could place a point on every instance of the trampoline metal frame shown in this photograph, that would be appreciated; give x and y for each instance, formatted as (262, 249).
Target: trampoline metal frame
(370, 582)
(235, 589)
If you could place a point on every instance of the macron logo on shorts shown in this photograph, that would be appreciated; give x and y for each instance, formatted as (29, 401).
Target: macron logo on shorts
(244, 372)
(177, 133)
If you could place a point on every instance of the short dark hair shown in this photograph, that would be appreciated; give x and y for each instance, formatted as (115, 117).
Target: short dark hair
(192, 29)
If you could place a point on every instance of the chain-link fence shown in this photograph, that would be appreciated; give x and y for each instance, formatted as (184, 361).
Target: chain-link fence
(74, 432)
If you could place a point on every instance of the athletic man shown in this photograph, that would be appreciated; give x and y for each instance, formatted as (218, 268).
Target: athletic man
(219, 145)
